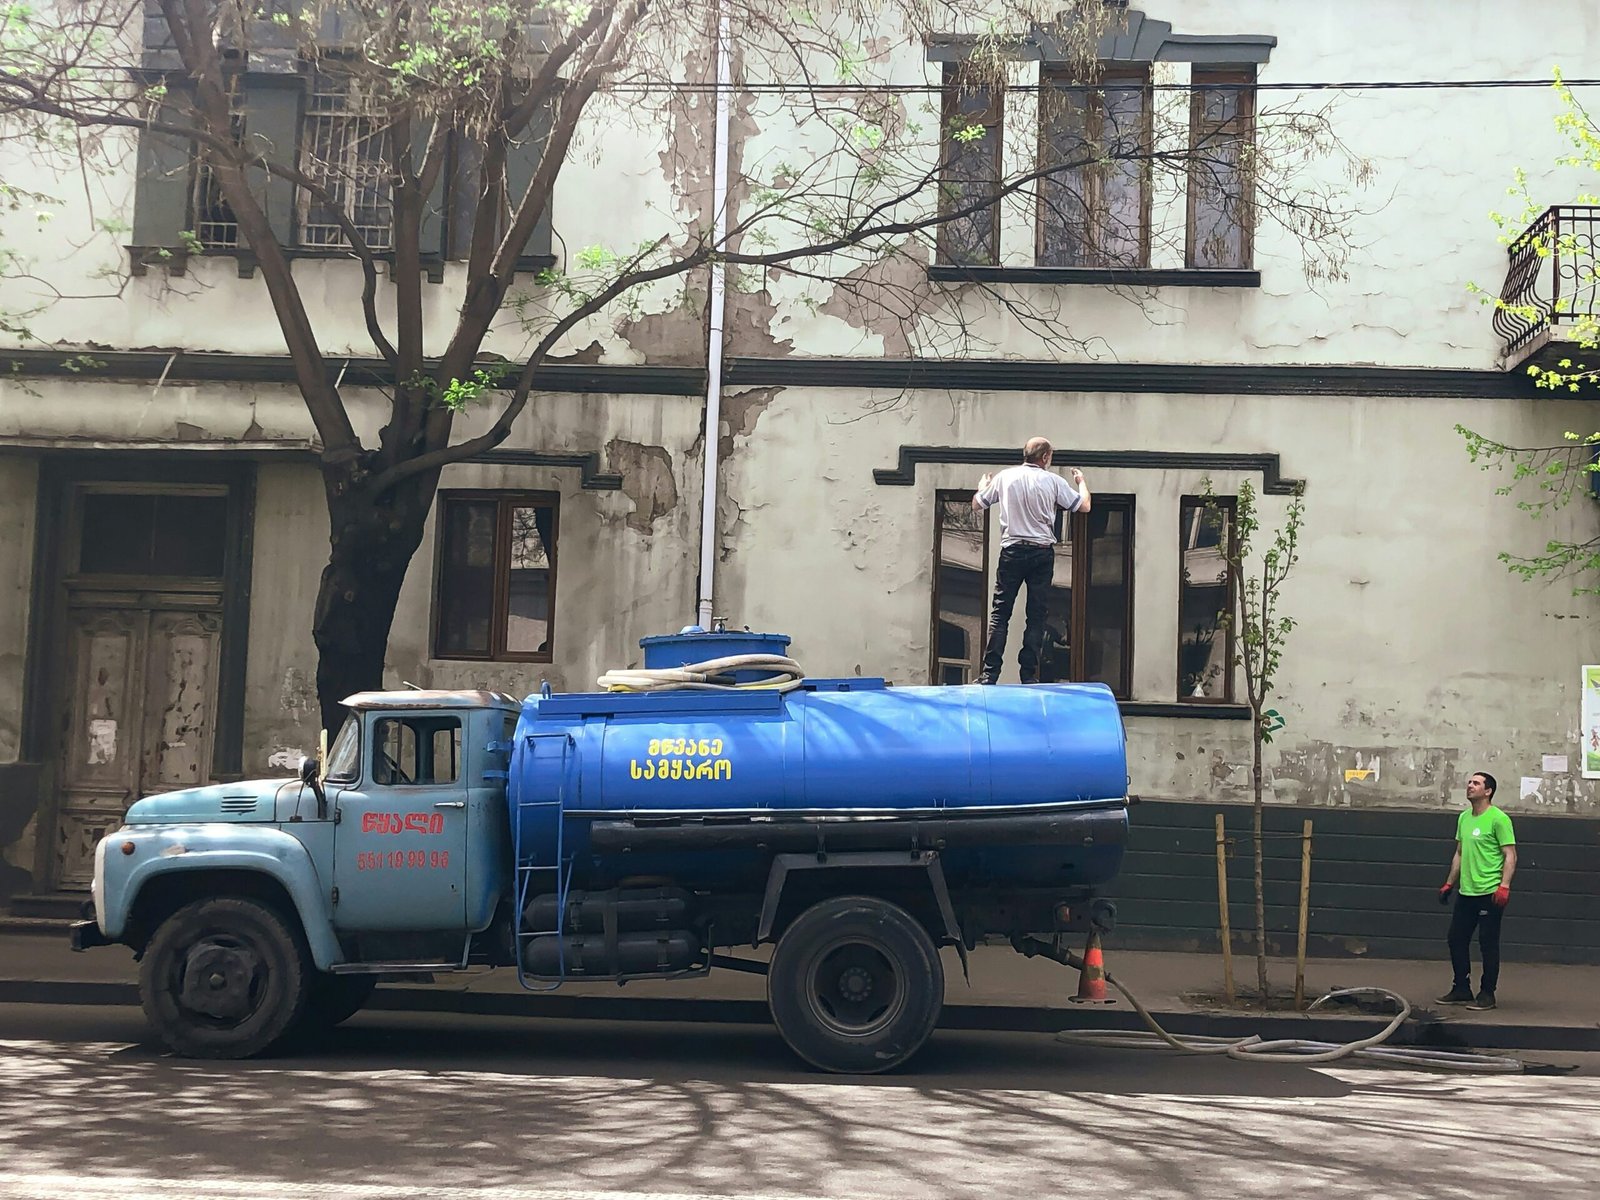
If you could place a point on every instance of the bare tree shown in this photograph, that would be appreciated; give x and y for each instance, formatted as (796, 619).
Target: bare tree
(858, 180)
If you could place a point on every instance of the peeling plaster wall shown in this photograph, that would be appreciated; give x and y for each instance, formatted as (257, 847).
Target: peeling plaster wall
(633, 176)
(19, 489)
(19, 782)
(1415, 647)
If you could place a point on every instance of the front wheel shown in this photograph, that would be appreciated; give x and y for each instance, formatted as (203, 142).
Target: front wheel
(224, 978)
(855, 985)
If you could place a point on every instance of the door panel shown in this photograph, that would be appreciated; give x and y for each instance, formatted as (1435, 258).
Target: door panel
(400, 842)
(179, 709)
(101, 734)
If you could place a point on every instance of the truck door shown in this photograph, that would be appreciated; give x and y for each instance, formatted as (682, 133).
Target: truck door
(400, 846)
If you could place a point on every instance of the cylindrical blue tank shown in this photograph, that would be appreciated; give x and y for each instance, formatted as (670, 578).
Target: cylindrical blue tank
(847, 749)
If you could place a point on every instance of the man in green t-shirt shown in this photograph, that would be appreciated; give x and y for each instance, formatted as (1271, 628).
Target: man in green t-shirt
(1485, 860)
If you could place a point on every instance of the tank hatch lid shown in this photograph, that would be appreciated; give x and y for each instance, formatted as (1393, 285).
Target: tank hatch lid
(650, 704)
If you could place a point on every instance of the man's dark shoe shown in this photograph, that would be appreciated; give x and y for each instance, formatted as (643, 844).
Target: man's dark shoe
(1026, 680)
(1483, 1003)
(1457, 996)
(986, 681)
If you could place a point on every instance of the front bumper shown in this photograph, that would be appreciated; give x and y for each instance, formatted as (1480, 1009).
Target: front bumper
(85, 934)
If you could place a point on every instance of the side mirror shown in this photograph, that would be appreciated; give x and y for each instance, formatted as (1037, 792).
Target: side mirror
(310, 776)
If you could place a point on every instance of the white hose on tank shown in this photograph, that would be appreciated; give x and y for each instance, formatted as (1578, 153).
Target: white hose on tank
(701, 676)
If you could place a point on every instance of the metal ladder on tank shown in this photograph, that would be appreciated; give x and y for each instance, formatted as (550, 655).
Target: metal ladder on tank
(528, 873)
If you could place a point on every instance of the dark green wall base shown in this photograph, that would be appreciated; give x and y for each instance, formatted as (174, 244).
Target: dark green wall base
(1375, 877)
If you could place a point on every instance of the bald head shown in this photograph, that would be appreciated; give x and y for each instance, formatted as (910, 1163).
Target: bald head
(1037, 451)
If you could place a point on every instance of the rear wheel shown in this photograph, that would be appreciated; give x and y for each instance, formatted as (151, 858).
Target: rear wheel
(224, 978)
(855, 985)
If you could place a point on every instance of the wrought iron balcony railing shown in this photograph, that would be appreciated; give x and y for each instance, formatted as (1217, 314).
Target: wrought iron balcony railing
(1551, 280)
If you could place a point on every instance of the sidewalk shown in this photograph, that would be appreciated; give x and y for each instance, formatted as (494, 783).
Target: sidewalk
(1543, 1007)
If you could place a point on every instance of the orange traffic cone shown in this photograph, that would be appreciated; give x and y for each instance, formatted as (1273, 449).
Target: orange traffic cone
(1092, 978)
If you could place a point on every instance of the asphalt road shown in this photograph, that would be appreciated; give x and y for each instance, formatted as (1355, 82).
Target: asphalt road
(405, 1105)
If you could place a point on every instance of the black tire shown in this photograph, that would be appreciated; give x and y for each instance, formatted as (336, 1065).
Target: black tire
(335, 999)
(855, 985)
(224, 978)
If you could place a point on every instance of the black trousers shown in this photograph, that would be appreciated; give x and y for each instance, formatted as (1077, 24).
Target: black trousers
(1020, 562)
(1479, 913)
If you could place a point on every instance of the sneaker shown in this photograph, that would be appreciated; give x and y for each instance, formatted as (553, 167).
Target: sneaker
(1483, 1003)
(1457, 996)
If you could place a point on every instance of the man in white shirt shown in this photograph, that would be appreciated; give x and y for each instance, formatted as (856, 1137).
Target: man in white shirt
(1028, 496)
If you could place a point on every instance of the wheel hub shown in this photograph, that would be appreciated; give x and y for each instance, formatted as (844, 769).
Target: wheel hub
(219, 980)
(856, 984)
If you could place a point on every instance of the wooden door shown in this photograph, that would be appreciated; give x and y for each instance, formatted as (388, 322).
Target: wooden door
(138, 720)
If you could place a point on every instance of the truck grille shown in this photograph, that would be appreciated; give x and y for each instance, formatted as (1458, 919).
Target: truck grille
(238, 804)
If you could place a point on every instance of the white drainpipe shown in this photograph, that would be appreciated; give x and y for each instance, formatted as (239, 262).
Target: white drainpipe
(719, 202)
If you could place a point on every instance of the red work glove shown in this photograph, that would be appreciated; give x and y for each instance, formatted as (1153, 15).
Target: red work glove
(1502, 896)
(1444, 893)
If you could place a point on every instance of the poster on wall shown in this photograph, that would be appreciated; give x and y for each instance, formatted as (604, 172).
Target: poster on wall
(1589, 730)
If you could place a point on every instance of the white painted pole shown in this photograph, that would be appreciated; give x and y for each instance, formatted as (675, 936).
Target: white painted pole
(719, 202)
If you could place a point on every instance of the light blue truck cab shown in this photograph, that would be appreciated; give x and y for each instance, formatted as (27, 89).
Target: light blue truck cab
(854, 828)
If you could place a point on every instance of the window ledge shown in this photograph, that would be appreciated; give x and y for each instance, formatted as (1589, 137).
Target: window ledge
(1202, 712)
(176, 259)
(1097, 276)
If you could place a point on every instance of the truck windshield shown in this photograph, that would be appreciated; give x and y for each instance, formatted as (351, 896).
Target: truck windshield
(344, 756)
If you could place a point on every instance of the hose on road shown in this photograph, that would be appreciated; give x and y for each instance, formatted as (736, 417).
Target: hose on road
(1296, 1050)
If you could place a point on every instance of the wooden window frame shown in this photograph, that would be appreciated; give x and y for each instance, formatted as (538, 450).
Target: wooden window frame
(1199, 128)
(1226, 503)
(941, 496)
(1078, 629)
(505, 499)
(995, 131)
(1058, 79)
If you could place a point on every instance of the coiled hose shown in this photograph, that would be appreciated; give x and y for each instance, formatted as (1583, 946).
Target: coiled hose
(1297, 1050)
(714, 674)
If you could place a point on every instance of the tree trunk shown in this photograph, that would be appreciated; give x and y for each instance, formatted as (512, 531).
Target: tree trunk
(1261, 907)
(372, 540)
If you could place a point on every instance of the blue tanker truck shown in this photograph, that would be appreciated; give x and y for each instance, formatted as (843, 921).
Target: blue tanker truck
(852, 827)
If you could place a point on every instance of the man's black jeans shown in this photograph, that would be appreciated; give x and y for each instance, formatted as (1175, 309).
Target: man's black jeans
(1020, 562)
(1483, 914)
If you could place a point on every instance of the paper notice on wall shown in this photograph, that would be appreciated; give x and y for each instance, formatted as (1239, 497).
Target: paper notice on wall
(1555, 764)
(1530, 787)
(102, 742)
(1589, 730)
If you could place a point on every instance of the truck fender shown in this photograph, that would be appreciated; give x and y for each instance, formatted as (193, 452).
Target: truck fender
(184, 848)
(926, 861)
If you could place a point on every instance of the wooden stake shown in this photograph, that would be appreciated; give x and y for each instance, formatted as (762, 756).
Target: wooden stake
(1222, 906)
(1305, 904)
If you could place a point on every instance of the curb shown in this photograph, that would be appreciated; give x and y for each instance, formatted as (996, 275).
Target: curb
(1425, 1031)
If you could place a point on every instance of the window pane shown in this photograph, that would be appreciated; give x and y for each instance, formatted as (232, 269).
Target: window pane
(1108, 588)
(466, 581)
(1119, 238)
(116, 534)
(960, 594)
(1093, 201)
(1064, 192)
(190, 536)
(1221, 127)
(445, 753)
(394, 753)
(528, 596)
(971, 171)
(1055, 654)
(1203, 603)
